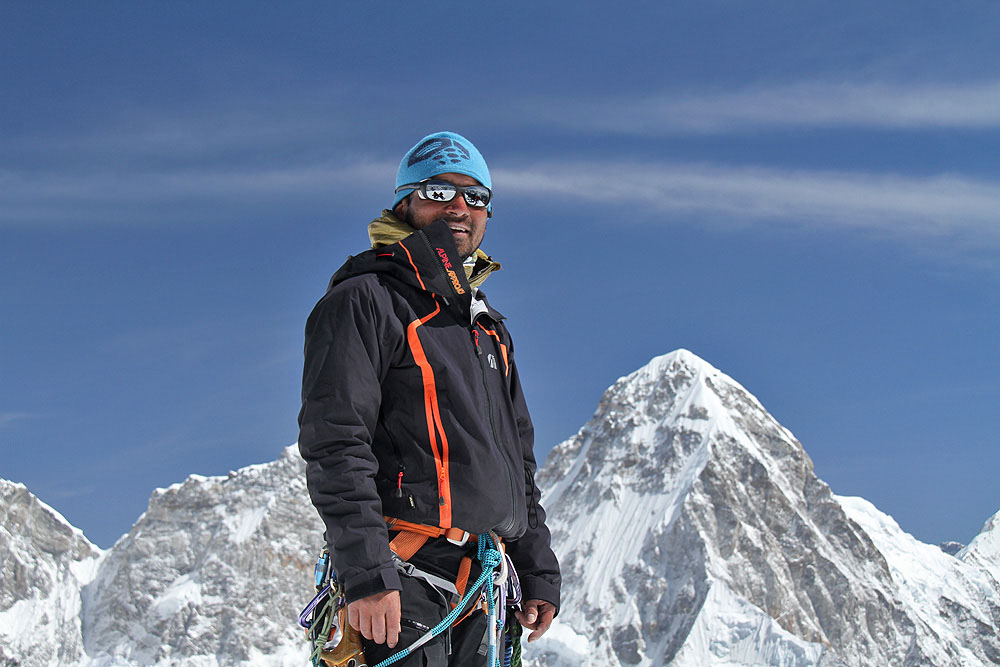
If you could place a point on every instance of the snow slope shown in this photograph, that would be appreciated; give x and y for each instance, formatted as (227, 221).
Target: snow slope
(984, 550)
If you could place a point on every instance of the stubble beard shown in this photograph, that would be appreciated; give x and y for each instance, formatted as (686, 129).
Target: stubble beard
(462, 254)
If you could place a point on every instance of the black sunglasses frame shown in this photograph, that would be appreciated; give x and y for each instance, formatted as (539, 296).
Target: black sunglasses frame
(421, 189)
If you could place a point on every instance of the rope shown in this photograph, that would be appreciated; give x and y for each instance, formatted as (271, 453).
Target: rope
(490, 558)
(491, 624)
(324, 634)
(514, 631)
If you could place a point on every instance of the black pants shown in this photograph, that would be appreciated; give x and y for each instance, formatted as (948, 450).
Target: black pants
(423, 607)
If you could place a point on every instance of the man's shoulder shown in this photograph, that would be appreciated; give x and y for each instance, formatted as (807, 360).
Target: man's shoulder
(364, 287)
(356, 282)
(359, 298)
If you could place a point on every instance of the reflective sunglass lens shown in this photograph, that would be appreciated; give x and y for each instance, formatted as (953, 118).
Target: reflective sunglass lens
(439, 191)
(477, 196)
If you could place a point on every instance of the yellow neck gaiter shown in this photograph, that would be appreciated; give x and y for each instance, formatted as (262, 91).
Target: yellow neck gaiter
(388, 229)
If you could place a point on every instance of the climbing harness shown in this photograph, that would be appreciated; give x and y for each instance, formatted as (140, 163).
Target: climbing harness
(496, 588)
(490, 557)
(335, 643)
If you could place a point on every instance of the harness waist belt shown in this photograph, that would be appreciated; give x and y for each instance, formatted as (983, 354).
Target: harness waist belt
(415, 534)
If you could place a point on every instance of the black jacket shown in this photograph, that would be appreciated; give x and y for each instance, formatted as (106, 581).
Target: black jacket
(413, 409)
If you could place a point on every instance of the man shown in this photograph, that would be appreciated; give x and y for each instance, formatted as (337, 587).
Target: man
(412, 413)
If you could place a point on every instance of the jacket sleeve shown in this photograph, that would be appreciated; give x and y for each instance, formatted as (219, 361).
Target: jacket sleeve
(536, 563)
(348, 343)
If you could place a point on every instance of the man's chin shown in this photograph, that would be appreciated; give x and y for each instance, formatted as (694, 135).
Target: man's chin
(463, 246)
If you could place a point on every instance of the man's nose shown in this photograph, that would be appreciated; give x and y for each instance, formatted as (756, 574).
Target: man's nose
(457, 204)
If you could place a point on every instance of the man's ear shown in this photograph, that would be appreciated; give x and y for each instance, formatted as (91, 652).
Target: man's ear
(400, 209)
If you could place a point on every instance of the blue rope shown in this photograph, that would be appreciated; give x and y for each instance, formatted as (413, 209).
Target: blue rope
(491, 603)
(490, 557)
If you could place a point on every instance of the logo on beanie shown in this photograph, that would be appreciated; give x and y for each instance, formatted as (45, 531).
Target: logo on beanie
(442, 150)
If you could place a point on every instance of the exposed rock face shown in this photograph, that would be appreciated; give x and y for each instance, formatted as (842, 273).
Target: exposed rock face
(693, 531)
(44, 562)
(214, 573)
(215, 570)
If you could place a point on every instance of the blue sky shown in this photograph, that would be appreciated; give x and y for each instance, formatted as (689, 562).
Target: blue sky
(804, 194)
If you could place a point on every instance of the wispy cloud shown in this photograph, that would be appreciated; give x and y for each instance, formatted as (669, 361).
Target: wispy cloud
(64, 493)
(950, 206)
(797, 105)
(943, 206)
(212, 164)
(8, 418)
(136, 196)
(222, 157)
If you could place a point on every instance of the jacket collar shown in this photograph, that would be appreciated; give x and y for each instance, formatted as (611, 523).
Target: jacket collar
(426, 259)
(387, 229)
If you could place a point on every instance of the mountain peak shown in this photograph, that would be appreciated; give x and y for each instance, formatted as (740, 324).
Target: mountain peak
(984, 549)
(667, 411)
(43, 560)
(665, 366)
(680, 379)
(696, 532)
(32, 517)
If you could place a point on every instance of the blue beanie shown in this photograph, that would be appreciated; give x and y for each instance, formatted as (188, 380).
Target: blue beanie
(441, 153)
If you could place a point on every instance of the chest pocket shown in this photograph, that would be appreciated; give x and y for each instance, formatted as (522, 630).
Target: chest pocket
(495, 353)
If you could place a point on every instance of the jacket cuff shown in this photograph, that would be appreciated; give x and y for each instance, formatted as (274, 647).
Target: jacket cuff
(384, 578)
(536, 588)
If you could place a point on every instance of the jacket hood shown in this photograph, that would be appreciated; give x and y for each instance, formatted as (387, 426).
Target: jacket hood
(387, 229)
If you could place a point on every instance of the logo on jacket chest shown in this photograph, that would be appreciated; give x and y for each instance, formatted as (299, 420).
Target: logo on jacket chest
(493, 361)
(452, 276)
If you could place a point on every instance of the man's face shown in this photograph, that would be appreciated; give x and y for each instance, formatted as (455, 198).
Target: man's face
(468, 224)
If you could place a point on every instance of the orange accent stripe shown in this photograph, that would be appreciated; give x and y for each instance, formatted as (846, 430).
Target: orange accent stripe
(462, 580)
(503, 348)
(433, 416)
(415, 270)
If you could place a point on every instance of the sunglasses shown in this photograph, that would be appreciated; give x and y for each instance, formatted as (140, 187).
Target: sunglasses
(477, 196)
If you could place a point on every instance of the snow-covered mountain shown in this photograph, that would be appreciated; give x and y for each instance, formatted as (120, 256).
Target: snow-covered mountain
(213, 573)
(44, 564)
(692, 531)
(689, 523)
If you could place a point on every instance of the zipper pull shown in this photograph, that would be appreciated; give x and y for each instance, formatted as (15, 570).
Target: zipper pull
(475, 336)
(399, 484)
